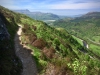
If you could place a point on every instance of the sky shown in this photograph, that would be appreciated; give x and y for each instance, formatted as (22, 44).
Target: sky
(59, 7)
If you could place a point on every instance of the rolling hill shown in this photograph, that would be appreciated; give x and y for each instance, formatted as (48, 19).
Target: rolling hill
(55, 51)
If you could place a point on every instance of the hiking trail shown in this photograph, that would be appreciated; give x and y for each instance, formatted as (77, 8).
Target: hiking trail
(24, 53)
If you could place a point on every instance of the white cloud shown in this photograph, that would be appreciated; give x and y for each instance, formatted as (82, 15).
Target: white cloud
(69, 5)
(16, 4)
(50, 4)
(10, 4)
(6, 3)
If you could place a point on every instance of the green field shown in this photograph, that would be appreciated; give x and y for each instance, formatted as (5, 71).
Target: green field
(96, 39)
(95, 49)
(79, 40)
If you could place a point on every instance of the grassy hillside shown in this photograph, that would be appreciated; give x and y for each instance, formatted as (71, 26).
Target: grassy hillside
(55, 50)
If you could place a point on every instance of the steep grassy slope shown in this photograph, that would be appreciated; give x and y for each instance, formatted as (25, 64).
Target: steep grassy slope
(55, 50)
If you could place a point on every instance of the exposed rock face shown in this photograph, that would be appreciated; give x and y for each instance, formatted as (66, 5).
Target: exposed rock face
(57, 70)
(49, 53)
(39, 43)
(34, 27)
(3, 31)
(30, 38)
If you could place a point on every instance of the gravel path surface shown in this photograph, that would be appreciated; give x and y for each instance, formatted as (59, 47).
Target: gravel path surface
(24, 53)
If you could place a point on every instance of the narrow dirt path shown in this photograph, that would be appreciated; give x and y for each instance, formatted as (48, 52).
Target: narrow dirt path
(24, 53)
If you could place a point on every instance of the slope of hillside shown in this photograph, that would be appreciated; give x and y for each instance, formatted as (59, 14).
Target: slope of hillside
(55, 51)
(86, 27)
(38, 15)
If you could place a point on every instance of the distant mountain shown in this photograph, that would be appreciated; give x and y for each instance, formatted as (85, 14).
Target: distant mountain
(90, 15)
(38, 15)
(22, 11)
(87, 17)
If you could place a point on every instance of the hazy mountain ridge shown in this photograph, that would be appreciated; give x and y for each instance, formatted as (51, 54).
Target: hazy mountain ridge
(92, 14)
(38, 15)
(89, 15)
(22, 11)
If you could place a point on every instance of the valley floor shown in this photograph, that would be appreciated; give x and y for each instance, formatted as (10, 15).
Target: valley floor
(24, 53)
